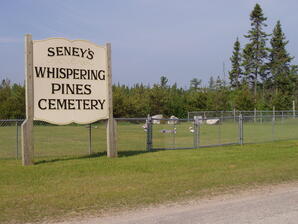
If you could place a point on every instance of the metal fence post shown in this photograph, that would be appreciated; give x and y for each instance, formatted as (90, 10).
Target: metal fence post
(240, 129)
(261, 119)
(90, 139)
(219, 131)
(174, 134)
(199, 133)
(273, 128)
(196, 132)
(17, 140)
(294, 109)
(149, 133)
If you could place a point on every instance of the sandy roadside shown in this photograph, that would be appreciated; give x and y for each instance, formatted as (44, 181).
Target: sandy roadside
(269, 204)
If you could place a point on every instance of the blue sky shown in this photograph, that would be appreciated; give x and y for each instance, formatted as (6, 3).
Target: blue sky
(150, 38)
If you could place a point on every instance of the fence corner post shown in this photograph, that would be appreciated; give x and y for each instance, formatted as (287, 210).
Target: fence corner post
(17, 140)
(273, 128)
(240, 129)
(149, 133)
(90, 138)
(196, 132)
(294, 112)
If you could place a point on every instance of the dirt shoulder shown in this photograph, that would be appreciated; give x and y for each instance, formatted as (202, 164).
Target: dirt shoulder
(255, 205)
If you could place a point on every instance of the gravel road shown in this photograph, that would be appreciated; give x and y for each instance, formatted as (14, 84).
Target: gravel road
(272, 205)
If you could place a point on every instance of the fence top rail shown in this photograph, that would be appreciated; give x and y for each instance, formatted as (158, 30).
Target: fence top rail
(11, 120)
(231, 111)
(192, 119)
(268, 116)
(171, 119)
(179, 119)
(131, 119)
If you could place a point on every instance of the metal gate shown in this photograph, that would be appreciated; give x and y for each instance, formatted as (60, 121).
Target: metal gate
(193, 133)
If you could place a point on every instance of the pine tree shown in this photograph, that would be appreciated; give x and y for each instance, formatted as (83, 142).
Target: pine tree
(280, 61)
(211, 83)
(236, 71)
(247, 58)
(257, 52)
(219, 83)
(163, 81)
(195, 84)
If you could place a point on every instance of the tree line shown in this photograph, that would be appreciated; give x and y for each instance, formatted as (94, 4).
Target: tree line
(140, 100)
(262, 76)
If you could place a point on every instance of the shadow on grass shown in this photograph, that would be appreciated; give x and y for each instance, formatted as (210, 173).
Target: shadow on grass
(94, 155)
(130, 153)
(51, 160)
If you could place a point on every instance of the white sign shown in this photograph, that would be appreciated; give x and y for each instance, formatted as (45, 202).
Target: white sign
(70, 81)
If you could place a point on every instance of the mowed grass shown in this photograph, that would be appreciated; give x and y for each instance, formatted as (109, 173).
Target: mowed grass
(73, 140)
(74, 186)
(59, 141)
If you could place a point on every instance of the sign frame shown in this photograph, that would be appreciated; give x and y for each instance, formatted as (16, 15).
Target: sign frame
(27, 126)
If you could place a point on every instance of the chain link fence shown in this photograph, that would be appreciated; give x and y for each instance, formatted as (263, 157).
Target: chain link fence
(137, 135)
(194, 133)
(236, 113)
(269, 128)
(68, 140)
(10, 138)
(131, 135)
(51, 141)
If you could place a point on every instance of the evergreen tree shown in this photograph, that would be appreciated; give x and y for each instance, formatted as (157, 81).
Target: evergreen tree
(163, 81)
(243, 98)
(195, 83)
(236, 71)
(219, 83)
(211, 83)
(247, 58)
(12, 100)
(280, 61)
(256, 51)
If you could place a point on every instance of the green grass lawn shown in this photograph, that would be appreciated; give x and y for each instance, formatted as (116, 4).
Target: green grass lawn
(71, 186)
(73, 140)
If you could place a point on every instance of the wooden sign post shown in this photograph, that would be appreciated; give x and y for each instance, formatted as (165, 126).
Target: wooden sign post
(67, 81)
(27, 126)
(111, 125)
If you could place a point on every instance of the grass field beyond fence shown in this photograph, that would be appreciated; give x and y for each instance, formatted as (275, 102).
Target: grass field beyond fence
(73, 140)
(70, 186)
